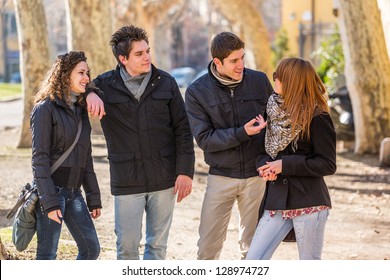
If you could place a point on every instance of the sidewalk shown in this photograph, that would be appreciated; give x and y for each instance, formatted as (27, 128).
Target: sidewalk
(357, 229)
(11, 112)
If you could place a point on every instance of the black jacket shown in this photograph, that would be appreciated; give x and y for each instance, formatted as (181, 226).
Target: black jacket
(149, 141)
(301, 183)
(217, 115)
(54, 128)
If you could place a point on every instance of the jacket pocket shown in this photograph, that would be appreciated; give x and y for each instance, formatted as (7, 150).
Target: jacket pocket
(303, 185)
(122, 169)
(119, 104)
(168, 162)
(222, 112)
(250, 106)
(160, 101)
(224, 159)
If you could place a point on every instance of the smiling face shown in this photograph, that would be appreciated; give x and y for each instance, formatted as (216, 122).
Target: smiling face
(232, 66)
(139, 60)
(79, 77)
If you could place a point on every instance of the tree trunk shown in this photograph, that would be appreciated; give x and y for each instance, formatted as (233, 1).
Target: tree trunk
(34, 56)
(367, 71)
(90, 30)
(253, 31)
(147, 16)
(89, 25)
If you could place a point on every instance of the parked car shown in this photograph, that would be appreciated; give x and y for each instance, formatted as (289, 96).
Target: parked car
(200, 74)
(183, 75)
(341, 114)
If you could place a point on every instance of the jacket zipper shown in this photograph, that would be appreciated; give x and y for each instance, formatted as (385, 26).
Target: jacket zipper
(236, 123)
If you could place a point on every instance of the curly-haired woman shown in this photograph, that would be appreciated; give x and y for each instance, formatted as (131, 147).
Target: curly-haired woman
(54, 125)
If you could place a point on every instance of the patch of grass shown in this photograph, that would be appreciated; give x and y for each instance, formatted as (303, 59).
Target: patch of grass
(12, 253)
(5, 234)
(67, 249)
(8, 91)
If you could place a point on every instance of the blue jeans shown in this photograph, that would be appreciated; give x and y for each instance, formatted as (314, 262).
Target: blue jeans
(309, 231)
(79, 222)
(129, 210)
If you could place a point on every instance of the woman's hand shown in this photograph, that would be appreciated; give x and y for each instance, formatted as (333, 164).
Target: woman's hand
(55, 215)
(96, 213)
(270, 170)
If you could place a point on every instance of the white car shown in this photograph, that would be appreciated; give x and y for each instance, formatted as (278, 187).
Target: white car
(183, 76)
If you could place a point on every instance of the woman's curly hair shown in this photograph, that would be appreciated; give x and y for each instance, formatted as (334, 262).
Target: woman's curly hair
(56, 82)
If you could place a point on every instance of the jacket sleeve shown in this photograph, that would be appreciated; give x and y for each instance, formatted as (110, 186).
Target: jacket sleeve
(206, 135)
(185, 156)
(41, 123)
(90, 183)
(269, 90)
(94, 87)
(322, 159)
(263, 157)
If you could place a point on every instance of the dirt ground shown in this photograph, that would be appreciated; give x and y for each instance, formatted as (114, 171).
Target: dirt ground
(358, 227)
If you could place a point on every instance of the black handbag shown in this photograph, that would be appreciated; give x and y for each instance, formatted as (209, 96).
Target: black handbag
(24, 225)
(290, 237)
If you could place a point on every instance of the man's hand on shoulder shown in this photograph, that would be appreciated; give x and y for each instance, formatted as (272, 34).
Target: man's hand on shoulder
(95, 105)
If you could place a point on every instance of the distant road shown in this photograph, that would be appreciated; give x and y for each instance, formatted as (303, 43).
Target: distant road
(11, 113)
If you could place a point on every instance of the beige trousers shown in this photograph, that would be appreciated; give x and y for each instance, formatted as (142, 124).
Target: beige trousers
(221, 194)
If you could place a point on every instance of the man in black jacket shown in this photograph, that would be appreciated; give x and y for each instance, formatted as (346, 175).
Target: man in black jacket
(222, 107)
(149, 142)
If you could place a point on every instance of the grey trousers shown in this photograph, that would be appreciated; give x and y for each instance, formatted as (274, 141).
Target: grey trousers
(220, 196)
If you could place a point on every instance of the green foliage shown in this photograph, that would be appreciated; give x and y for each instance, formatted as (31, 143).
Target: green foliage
(331, 57)
(10, 90)
(280, 47)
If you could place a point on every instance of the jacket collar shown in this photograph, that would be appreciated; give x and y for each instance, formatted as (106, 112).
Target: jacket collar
(117, 82)
(62, 103)
(217, 82)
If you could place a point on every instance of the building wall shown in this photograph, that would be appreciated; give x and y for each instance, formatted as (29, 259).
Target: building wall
(9, 48)
(296, 12)
(271, 12)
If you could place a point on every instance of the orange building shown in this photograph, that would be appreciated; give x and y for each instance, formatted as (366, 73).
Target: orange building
(307, 23)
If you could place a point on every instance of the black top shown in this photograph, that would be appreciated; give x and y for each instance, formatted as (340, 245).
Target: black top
(149, 141)
(301, 183)
(54, 128)
(217, 115)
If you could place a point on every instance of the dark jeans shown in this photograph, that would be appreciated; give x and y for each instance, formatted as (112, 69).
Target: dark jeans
(79, 222)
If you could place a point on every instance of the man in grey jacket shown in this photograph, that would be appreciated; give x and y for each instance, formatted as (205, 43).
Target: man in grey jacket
(222, 107)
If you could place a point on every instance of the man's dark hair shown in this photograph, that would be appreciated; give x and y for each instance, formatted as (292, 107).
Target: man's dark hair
(122, 40)
(224, 44)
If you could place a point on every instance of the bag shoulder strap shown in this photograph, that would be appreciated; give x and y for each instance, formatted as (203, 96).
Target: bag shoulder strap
(57, 164)
(53, 168)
